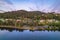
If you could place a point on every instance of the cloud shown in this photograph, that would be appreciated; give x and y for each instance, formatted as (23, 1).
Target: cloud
(6, 4)
(39, 5)
(7, 1)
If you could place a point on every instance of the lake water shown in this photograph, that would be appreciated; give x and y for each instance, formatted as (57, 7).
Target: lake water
(29, 35)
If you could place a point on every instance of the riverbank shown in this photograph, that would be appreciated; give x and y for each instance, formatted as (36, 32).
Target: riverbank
(31, 27)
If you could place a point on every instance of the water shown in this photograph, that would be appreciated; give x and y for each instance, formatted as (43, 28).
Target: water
(29, 35)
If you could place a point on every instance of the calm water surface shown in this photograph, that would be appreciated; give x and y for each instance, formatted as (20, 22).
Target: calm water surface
(29, 35)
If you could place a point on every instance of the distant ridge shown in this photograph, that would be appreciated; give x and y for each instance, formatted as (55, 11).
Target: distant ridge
(28, 11)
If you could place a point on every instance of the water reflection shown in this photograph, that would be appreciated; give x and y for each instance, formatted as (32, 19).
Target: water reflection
(12, 29)
(21, 30)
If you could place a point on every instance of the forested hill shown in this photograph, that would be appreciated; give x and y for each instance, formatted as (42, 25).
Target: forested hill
(30, 14)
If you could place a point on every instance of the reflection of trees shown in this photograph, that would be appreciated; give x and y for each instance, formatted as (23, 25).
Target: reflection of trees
(21, 30)
(31, 30)
(11, 29)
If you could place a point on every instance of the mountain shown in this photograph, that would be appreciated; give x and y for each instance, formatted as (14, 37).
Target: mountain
(30, 14)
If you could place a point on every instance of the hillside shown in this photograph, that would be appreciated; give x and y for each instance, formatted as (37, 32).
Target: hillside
(30, 14)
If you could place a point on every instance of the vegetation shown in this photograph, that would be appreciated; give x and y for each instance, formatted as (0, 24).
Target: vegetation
(21, 18)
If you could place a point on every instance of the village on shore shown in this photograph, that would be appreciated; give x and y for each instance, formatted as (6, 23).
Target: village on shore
(30, 20)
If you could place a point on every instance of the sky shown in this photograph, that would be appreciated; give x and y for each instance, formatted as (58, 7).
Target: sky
(30, 5)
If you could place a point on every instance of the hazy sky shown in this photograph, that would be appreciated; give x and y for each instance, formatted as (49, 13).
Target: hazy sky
(30, 5)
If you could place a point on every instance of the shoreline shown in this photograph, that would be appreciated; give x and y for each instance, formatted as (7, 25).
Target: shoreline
(29, 27)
